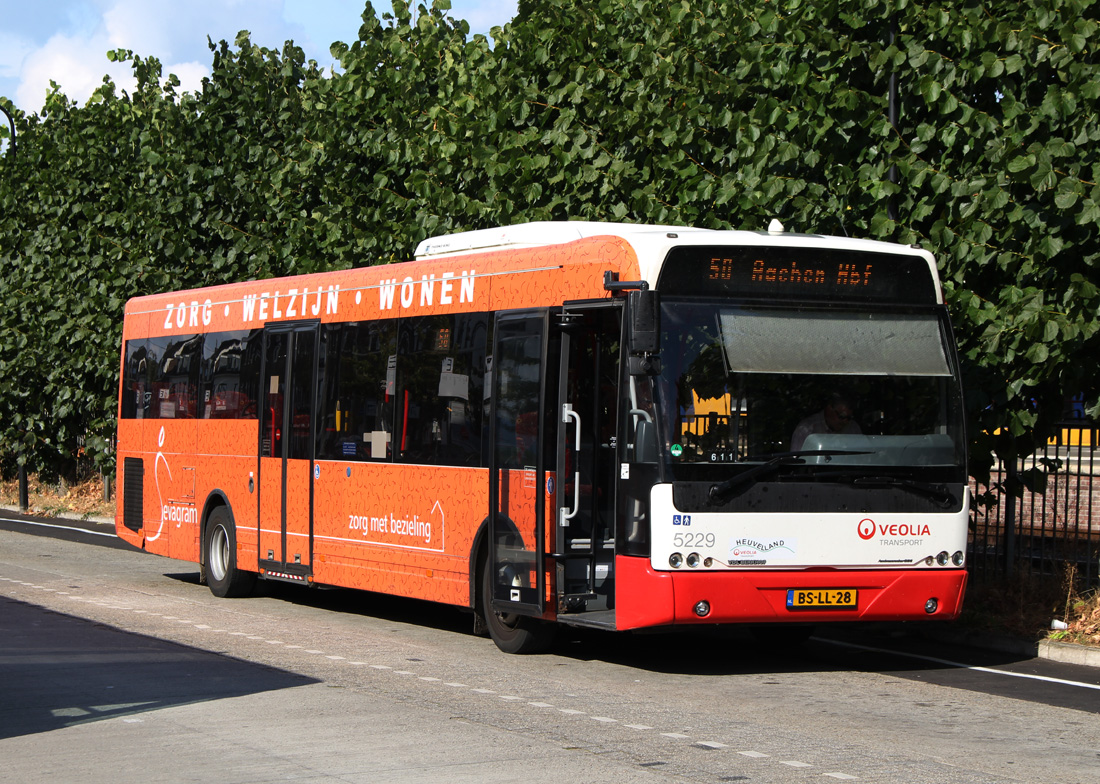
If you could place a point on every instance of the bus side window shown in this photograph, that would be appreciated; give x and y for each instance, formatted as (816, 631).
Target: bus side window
(135, 381)
(356, 407)
(249, 390)
(176, 360)
(440, 383)
(220, 394)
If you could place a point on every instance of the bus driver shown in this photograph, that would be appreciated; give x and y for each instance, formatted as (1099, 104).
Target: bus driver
(835, 417)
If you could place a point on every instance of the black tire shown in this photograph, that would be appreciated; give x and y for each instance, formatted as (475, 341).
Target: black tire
(513, 633)
(222, 575)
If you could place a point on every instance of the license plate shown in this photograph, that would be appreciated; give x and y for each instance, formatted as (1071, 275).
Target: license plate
(822, 599)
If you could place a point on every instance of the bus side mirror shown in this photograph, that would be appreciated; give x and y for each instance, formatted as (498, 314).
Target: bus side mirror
(644, 337)
(645, 322)
(646, 449)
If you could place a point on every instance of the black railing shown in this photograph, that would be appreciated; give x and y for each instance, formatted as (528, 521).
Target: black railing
(1040, 517)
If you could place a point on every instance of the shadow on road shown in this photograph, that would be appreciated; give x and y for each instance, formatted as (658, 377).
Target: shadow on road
(58, 671)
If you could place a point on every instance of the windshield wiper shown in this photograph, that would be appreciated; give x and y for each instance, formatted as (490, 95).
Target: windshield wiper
(938, 493)
(719, 491)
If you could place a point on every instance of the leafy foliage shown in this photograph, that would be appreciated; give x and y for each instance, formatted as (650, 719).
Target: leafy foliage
(708, 113)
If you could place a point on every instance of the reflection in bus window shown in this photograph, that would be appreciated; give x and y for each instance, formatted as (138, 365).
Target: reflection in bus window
(356, 404)
(439, 392)
(174, 381)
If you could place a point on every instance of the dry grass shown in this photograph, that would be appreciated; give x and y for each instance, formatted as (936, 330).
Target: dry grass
(1025, 609)
(1082, 614)
(81, 500)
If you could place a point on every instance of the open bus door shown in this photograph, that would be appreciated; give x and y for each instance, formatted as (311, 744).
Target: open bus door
(587, 462)
(519, 481)
(289, 378)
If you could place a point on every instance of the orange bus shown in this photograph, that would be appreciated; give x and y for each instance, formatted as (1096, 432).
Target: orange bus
(601, 425)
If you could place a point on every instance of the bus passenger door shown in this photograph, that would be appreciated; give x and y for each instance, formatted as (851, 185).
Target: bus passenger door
(522, 419)
(587, 463)
(286, 451)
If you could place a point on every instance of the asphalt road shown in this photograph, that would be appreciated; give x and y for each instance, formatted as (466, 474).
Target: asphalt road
(117, 666)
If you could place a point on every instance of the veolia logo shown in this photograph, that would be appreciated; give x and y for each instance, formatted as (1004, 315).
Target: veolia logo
(866, 529)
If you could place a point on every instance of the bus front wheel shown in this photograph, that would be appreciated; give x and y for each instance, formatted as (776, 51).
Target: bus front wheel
(222, 575)
(511, 632)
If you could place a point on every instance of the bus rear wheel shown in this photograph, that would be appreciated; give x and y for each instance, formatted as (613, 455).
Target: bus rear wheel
(511, 632)
(222, 575)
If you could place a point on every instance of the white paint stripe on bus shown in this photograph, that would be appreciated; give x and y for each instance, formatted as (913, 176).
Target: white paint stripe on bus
(960, 665)
(61, 527)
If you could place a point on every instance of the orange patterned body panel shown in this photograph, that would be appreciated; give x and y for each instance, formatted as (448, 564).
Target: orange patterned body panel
(401, 529)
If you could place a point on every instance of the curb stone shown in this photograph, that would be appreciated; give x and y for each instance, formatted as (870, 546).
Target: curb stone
(99, 520)
(1069, 653)
(1064, 652)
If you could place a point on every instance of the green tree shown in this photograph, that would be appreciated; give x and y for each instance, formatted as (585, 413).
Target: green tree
(715, 114)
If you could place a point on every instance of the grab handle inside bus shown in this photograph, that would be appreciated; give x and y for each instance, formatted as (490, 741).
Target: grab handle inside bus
(567, 413)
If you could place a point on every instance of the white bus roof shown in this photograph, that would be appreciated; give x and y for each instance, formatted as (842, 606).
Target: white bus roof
(651, 243)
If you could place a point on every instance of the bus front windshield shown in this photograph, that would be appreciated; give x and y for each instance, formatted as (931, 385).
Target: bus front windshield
(745, 384)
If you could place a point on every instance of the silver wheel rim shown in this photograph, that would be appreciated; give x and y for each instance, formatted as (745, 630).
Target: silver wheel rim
(219, 553)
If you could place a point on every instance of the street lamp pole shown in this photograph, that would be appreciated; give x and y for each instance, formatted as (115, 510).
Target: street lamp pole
(24, 499)
(892, 117)
(11, 122)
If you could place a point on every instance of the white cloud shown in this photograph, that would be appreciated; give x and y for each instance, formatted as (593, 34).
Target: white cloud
(190, 76)
(483, 15)
(67, 40)
(76, 64)
(13, 51)
(173, 33)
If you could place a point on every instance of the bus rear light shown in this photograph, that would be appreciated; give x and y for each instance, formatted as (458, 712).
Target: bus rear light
(702, 608)
(676, 560)
(931, 606)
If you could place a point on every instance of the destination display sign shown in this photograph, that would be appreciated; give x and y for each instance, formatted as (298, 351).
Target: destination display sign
(792, 272)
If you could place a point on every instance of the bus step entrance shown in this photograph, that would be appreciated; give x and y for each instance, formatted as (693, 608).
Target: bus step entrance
(287, 573)
(584, 582)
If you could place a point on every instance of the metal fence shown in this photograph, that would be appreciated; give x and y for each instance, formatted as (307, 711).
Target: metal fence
(1041, 534)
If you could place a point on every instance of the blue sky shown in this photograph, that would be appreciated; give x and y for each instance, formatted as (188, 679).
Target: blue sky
(67, 40)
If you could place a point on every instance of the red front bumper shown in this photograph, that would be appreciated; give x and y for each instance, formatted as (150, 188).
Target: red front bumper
(645, 597)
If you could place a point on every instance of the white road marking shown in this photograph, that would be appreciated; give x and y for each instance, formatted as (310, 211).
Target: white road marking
(960, 665)
(753, 754)
(61, 527)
